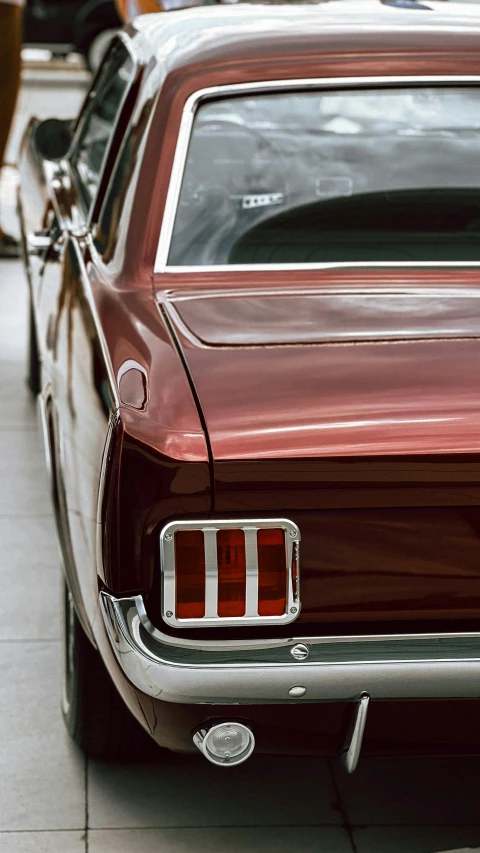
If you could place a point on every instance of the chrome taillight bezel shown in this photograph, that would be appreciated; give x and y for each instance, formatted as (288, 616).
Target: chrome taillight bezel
(209, 528)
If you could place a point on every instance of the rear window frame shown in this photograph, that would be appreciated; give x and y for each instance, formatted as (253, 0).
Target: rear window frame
(333, 84)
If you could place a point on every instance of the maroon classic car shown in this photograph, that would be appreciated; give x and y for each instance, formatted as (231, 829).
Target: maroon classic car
(254, 269)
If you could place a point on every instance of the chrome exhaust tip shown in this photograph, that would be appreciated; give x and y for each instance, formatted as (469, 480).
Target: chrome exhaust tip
(224, 744)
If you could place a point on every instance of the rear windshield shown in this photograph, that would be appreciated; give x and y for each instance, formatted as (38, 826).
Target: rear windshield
(332, 177)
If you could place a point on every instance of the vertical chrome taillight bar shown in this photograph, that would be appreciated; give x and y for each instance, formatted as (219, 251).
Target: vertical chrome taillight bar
(251, 553)
(211, 572)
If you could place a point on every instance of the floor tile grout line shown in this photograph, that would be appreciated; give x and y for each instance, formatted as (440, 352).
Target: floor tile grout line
(342, 807)
(415, 825)
(289, 826)
(38, 831)
(198, 827)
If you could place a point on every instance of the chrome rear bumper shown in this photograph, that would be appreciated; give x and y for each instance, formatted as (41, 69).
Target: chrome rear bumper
(335, 669)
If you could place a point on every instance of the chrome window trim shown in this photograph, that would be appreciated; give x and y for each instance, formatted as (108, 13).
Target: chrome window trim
(210, 528)
(222, 268)
(183, 141)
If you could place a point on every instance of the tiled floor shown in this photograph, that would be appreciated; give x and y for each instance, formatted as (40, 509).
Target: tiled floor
(51, 801)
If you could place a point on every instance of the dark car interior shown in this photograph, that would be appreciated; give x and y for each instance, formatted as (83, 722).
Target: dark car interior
(399, 225)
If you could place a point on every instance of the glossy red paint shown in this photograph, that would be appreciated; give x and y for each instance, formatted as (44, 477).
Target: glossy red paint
(363, 396)
(142, 490)
(134, 330)
(329, 314)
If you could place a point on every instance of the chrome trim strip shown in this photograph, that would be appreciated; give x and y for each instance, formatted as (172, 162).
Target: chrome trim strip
(340, 265)
(397, 290)
(210, 528)
(251, 559)
(211, 572)
(338, 672)
(180, 158)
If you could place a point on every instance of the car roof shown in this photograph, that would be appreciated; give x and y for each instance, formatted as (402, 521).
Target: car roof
(241, 29)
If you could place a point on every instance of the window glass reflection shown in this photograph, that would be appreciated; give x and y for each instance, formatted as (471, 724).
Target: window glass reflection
(98, 125)
(373, 175)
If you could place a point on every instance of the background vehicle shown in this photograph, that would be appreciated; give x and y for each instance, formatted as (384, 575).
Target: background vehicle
(84, 26)
(255, 334)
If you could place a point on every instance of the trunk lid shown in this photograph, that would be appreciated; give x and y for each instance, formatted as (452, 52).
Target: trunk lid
(304, 374)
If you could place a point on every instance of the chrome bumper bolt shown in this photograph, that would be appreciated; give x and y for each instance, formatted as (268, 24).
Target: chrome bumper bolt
(300, 652)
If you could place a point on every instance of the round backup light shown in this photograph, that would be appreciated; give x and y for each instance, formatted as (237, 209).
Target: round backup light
(225, 744)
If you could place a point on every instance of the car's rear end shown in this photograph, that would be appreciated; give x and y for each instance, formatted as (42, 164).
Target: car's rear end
(318, 275)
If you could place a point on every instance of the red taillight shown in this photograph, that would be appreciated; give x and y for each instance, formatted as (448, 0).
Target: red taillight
(232, 572)
(190, 574)
(272, 572)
